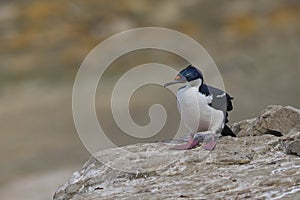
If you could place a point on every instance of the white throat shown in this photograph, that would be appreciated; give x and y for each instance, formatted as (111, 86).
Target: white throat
(195, 83)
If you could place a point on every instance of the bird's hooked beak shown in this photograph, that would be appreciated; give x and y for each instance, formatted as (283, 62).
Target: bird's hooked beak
(178, 79)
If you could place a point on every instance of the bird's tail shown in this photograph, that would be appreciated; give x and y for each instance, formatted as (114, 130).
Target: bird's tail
(227, 132)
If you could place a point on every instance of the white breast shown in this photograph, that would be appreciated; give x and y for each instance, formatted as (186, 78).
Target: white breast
(195, 112)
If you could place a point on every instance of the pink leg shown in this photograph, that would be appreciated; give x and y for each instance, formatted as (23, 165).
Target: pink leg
(210, 145)
(189, 145)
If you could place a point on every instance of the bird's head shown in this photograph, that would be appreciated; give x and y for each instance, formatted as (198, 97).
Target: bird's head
(190, 75)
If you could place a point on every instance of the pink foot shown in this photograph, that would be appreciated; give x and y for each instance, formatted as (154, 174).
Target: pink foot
(210, 145)
(191, 144)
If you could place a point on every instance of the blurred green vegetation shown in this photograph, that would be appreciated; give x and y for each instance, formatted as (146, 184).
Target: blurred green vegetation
(49, 39)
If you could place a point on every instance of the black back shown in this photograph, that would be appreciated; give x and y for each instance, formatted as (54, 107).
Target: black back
(220, 101)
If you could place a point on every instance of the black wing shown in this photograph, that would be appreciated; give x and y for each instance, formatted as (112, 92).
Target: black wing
(221, 100)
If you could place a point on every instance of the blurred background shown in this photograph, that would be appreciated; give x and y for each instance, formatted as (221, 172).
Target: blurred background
(255, 44)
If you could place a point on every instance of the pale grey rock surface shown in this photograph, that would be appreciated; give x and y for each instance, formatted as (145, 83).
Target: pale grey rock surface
(261, 163)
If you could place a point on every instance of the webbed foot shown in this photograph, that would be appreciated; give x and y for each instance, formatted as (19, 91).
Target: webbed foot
(210, 145)
(189, 145)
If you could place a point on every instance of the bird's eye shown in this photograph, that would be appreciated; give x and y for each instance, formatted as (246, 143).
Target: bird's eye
(177, 78)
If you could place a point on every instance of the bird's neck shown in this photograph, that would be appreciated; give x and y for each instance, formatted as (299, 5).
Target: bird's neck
(195, 83)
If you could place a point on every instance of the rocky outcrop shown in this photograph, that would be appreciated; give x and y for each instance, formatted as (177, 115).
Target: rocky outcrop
(255, 165)
(275, 120)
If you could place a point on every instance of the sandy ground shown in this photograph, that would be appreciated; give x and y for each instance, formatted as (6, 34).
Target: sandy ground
(39, 147)
(39, 186)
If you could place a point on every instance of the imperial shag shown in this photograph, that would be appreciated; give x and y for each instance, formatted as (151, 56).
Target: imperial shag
(203, 108)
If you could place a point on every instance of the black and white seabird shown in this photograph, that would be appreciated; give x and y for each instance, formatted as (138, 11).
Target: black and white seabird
(203, 108)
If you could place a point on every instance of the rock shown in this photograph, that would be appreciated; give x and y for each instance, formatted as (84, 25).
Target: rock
(291, 142)
(275, 120)
(294, 147)
(254, 165)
